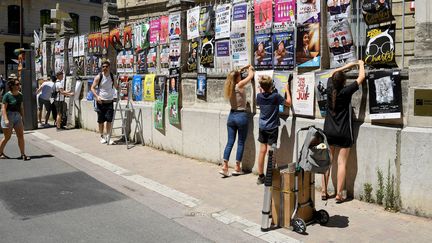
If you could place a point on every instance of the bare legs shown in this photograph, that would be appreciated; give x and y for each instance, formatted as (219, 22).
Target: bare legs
(19, 131)
(101, 128)
(7, 132)
(341, 155)
(261, 156)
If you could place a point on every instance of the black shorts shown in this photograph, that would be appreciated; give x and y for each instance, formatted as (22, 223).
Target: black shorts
(46, 103)
(269, 137)
(60, 107)
(105, 112)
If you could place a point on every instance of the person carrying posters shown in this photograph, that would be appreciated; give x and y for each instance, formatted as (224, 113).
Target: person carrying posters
(338, 123)
(234, 91)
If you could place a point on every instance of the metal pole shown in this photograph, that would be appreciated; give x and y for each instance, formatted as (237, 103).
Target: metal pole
(358, 29)
(21, 24)
(403, 33)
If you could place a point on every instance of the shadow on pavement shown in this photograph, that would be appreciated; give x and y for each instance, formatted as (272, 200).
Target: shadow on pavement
(38, 156)
(337, 221)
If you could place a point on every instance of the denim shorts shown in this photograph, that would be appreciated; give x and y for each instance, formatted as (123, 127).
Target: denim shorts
(15, 120)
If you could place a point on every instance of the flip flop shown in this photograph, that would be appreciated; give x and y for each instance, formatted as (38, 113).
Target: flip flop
(224, 173)
(237, 173)
(4, 156)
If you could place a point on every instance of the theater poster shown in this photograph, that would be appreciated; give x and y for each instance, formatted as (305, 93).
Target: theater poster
(263, 13)
(258, 76)
(340, 42)
(173, 82)
(75, 46)
(223, 60)
(338, 9)
(192, 61)
(206, 22)
(263, 50)
(159, 115)
(239, 19)
(385, 95)
(115, 39)
(141, 62)
(239, 47)
(164, 30)
(283, 50)
(149, 87)
(308, 11)
(280, 79)
(152, 60)
(207, 52)
(377, 11)
(90, 44)
(380, 47)
(303, 94)
(173, 97)
(201, 86)
(105, 43)
(321, 79)
(137, 89)
(308, 45)
(154, 31)
(175, 25)
(97, 41)
(174, 53)
(127, 37)
(124, 87)
(164, 57)
(160, 87)
(81, 47)
(223, 21)
(192, 19)
(137, 30)
(145, 28)
(284, 15)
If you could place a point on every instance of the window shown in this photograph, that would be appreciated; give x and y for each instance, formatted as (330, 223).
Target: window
(95, 23)
(75, 22)
(45, 17)
(14, 19)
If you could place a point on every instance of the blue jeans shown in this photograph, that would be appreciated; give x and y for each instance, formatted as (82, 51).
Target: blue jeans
(237, 122)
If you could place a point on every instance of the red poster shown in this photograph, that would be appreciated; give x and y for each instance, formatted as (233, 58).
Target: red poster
(127, 37)
(163, 34)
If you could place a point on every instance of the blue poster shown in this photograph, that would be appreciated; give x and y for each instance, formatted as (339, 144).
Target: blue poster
(137, 88)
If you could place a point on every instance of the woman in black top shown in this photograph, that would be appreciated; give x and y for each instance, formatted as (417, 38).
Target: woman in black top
(12, 113)
(338, 123)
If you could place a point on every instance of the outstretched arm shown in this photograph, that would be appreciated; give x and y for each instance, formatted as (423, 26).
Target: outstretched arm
(345, 67)
(250, 76)
(362, 74)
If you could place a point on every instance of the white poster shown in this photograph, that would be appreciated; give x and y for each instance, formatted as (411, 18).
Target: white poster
(174, 25)
(75, 47)
(137, 36)
(193, 15)
(174, 54)
(303, 92)
(258, 75)
(223, 21)
(81, 46)
(44, 59)
(308, 11)
(223, 60)
(239, 51)
(239, 18)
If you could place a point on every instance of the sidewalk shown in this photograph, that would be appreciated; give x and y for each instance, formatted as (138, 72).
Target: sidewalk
(240, 196)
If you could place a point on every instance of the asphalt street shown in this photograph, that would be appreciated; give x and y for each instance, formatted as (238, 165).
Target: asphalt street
(47, 200)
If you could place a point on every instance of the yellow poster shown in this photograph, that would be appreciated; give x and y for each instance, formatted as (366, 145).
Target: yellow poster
(149, 89)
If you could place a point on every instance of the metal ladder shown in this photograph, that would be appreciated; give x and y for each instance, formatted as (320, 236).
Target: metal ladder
(123, 118)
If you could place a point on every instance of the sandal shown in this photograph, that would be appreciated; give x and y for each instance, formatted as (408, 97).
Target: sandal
(339, 199)
(4, 156)
(237, 173)
(25, 157)
(324, 196)
(224, 173)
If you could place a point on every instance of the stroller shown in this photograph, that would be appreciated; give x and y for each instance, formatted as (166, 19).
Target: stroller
(314, 157)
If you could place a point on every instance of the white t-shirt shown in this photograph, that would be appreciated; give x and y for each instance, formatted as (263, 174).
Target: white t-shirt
(59, 85)
(106, 90)
(47, 89)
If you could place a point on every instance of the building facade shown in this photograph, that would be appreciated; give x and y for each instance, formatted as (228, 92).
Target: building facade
(86, 16)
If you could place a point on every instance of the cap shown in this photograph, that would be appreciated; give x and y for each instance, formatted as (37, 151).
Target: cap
(12, 76)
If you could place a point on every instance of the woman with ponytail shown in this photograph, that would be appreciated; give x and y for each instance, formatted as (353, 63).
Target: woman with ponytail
(338, 123)
(234, 91)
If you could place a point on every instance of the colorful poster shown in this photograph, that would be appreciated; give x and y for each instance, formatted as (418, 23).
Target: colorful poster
(79, 65)
(90, 43)
(173, 108)
(149, 87)
(81, 46)
(201, 86)
(164, 57)
(385, 95)
(206, 23)
(192, 61)
(239, 19)
(93, 66)
(283, 46)
(223, 60)
(338, 9)
(257, 78)
(159, 115)
(137, 33)
(340, 42)
(121, 62)
(280, 79)
(263, 50)
(308, 45)
(377, 11)
(303, 94)
(160, 84)
(223, 21)
(97, 40)
(174, 78)
(124, 87)
(127, 37)
(174, 25)
(129, 62)
(174, 53)
(145, 27)
(152, 60)
(105, 43)
(75, 46)
(164, 30)
(284, 15)
(263, 10)
(137, 88)
(155, 26)
(380, 47)
(115, 39)
(193, 16)
(321, 79)
(141, 62)
(240, 55)
(308, 11)
(207, 52)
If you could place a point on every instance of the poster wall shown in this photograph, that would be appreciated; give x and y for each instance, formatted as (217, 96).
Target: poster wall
(263, 15)
(223, 60)
(340, 42)
(192, 62)
(308, 11)
(321, 79)
(174, 25)
(303, 94)
(223, 21)
(137, 88)
(201, 86)
(283, 46)
(207, 52)
(149, 87)
(263, 50)
(308, 45)
(284, 15)
(380, 47)
(193, 16)
(385, 95)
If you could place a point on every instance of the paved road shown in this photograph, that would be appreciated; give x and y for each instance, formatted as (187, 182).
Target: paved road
(47, 200)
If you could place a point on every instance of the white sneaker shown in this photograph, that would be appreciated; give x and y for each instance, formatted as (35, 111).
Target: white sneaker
(103, 140)
(111, 142)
